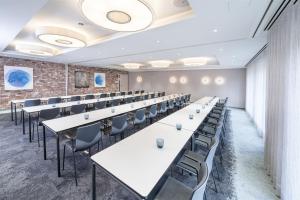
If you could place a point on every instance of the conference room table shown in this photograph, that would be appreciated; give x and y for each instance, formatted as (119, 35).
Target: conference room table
(64, 105)
(59, 125)
(137, 163)
(15, 103)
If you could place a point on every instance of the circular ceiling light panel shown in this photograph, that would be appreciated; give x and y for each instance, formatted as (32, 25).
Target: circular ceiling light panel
(139, 79)
(118, 15)
(34, 49)
(219, 80)
(194, 61)
(60, 37)
(161, 63)
(173, 79)
(205, 80)
(132, 65)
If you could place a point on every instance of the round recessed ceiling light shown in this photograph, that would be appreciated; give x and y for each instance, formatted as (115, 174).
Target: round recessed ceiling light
(205, 80)
(125, 15)
(132, 65)
(194, 61)
(161, 63)
(34, 49)
(139, 79)
(60, 37)
(219, 80)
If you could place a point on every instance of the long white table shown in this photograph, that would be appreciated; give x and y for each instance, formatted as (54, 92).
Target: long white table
(36, 109)
(137, 163)
(59, 125)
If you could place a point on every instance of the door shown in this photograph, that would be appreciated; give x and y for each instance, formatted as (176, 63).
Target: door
(123, 83)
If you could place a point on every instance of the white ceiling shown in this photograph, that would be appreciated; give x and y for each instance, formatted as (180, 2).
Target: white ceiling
(232, 44)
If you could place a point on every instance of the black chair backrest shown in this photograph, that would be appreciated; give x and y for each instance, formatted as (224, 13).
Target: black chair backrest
(152, 96)
(153, 109)
(89, 96)
(142, 91)
(112, 94)
(32, 102)
(103, 95)
(115, 102)
(159, 94)
(54, 100)
(123, 93)
(163, 94)
(76, 109)
(49, 113)
(137, 92)
(146, 97)
(119, 124)
(140, 114)
(202, 178)
(130, 93)
(75, 98)
(100, 104)
(129, 100)
(87, 136)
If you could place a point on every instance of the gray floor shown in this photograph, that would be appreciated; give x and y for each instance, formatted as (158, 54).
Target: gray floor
(25, 175)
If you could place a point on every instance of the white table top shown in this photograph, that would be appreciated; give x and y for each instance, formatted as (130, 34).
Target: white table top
(33, 109)
(20, 101)
(137, 162)
(182, 116)
(68, 122)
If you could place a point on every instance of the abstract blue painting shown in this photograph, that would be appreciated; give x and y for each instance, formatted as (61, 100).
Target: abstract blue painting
(99, 79)
(18, 78)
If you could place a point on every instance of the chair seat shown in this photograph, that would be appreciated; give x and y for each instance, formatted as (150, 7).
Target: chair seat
(174, 190)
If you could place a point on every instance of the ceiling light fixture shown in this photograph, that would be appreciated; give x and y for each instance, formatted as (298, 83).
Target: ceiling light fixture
(35, 49)
(125, 15)
(161, 63)
(132, 65)
(194, 61)
(60, 37)
(215, 30)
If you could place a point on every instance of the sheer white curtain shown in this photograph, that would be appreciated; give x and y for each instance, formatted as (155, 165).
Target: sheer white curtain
(282, 144)
(256, 91)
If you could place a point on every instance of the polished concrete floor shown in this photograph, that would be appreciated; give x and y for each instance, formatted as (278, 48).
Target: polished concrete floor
(25, 175)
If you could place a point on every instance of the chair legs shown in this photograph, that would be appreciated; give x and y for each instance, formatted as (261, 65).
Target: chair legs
(64, 155)
(75, 173)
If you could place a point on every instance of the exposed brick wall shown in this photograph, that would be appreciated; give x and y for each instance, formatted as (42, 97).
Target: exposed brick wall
(111, 77)
(49, 80)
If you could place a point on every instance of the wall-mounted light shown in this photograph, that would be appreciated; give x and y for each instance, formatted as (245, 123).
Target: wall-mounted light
(183, 80)
(161, 63)
(60, 37)
(173, 79)
(139, 79)
(205, 80)
(125, 15)
(219, 80)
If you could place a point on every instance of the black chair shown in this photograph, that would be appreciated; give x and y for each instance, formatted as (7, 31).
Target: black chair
(76, 109)
(43, 116)
(86, 137)
(139, 117)
(152, 113)
(113, 94)
(100, 105)
(142, 91)
(54, 100)
(89, 96)
(75, 98)
(146, 97)
(170, 105)
(152, 96)
(129, 100)
(103, 95)
(123, 93)
(130, 93)
(29, 103)
(175, 190)
(119, 125)
(115, 102)
(163, 108)
(137, 92)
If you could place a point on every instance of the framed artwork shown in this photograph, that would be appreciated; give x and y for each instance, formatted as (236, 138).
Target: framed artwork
(82, 79)
(18, 78)
(99, 80)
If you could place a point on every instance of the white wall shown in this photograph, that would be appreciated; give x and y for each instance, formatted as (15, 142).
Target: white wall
(234, 85)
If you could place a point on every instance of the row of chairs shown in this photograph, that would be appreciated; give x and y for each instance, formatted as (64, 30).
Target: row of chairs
(200, 164)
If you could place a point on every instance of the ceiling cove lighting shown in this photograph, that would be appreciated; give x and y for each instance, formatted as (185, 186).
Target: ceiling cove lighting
(194, 61)
(34, 49)
(124, 15)
(160, 63)
(60, 37)
(132, 65)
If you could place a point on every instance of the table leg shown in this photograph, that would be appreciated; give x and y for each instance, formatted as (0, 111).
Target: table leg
(29, 124)
(94, 182)
(44, 141)
(58, 155)
(23, 121)
(11, 111)
(16, 120)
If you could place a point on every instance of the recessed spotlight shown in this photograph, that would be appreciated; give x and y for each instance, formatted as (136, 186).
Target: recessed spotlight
(161, 63)
(139, 79)
(60, 37)
(125, 15)
(205, 80)
(219, 80)
(194, 61)
(215, 30)
(132, 65)
(183, 80)
(173, 79)
(35, 49)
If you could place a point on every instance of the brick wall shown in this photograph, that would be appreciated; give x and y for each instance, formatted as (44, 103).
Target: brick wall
(111, 77)
(50, 80)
